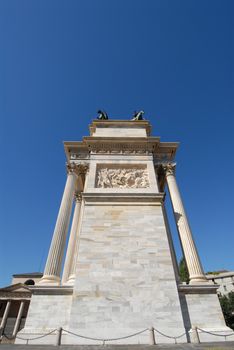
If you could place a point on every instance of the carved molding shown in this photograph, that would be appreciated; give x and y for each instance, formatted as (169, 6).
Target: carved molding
(122, 178)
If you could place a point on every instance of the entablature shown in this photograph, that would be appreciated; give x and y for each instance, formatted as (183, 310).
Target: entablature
(161, 151)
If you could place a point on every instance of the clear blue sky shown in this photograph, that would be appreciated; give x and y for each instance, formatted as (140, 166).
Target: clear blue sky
(60, 61)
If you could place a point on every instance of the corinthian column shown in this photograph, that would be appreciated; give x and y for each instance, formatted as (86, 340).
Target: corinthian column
(73, 239)
(54, 261)
(72, 271)
(196, 273)
(84, 170)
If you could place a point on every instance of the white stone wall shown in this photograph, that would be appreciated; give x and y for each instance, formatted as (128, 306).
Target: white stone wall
(120, 132)
(203, 310)
(46, 313)
(125, 280)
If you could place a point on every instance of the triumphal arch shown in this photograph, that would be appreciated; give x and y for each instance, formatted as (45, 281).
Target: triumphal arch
(120, 275)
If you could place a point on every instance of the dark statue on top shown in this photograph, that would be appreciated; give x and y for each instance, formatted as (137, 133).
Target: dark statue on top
(138, 115)
(102, 115)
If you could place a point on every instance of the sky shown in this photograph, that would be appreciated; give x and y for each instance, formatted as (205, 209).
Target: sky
(61, 61)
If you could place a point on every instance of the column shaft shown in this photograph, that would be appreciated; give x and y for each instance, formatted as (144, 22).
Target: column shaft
(196, 273)
(72, 239)
(17, 323)
(54, 261)
(4, 318)
(72, 272)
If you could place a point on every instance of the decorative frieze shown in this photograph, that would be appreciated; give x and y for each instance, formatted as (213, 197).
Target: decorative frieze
(122, 177)
(116, 147)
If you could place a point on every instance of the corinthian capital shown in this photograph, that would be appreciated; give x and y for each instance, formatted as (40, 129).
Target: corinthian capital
(78, 169)
(82, 168)
(72, 168)
(169, 168)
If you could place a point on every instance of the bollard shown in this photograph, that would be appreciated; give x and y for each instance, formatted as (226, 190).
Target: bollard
(59, 336)
(195, 336)
(151, 336)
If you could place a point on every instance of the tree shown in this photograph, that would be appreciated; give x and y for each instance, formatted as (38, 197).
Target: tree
(183, 271)
(227, 304)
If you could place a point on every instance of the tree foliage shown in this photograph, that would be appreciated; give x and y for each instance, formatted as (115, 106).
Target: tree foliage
(183, 271)
(227, 304)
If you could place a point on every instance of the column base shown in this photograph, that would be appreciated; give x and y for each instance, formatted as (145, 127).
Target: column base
(70, 281)
(199, 279)
(50, 279)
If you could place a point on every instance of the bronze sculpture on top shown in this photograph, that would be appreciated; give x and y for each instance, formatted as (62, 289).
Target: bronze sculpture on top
(138, 115)
(102, 115)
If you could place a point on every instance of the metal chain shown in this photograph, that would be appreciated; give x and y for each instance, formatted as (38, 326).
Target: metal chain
(27, 339)
(218, 335)
(112, 339)
(106, 339)
(168, 336)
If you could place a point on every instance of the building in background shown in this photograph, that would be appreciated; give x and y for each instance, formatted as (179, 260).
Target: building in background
(14, 304)
(225, 280)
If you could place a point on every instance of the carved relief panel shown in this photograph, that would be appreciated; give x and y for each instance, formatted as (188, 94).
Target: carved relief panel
(122, 176)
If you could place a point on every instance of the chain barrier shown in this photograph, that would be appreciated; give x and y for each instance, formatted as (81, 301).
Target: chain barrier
(106, 339)
(217, 335)
(27, 339)
(168, 336)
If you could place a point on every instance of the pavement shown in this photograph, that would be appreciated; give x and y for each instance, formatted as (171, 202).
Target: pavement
(204, 346)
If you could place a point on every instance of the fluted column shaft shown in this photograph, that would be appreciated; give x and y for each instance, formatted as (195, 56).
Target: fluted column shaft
(4, 317)
(72, 239)
(54, 261)
(196, 273)
(18, 319)
(72, 272)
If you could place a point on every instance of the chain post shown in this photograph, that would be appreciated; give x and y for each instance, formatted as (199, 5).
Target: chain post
(195, 336)
(151, 336)
(59, 336)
